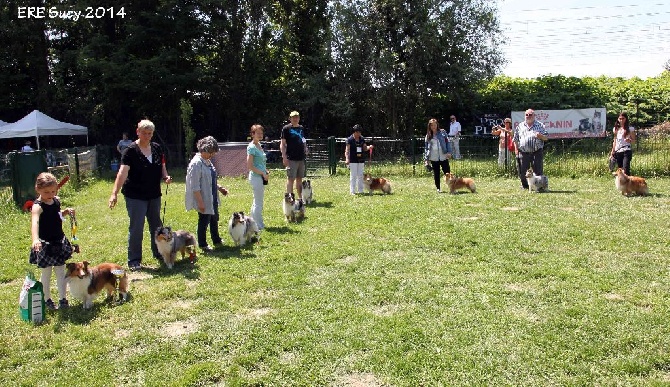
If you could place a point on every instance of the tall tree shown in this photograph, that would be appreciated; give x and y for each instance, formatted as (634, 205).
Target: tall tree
(418, 56)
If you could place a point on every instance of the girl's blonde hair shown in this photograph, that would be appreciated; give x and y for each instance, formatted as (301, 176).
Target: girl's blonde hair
(45, 179)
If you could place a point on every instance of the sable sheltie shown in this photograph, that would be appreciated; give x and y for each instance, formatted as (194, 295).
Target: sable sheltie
(307, 191)
(87, 282)
(169, 242)
(537, 183)
(242, 228)
(376, 183)
(456, 183)
(629, 184)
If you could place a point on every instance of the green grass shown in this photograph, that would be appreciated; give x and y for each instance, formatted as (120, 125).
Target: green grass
(501, 287)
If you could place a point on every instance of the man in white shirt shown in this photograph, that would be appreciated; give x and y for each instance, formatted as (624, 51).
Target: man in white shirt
(454, 135)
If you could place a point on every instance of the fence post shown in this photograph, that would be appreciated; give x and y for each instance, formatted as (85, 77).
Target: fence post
(413, 155)
(76, 168)
(332, 158)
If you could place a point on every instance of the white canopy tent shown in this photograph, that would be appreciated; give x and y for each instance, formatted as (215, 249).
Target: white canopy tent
(2, 123)
(38, 124)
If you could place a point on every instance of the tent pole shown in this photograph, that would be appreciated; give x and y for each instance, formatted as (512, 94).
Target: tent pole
(37, 138)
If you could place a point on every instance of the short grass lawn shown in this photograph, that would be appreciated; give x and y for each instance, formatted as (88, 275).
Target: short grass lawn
(500, 287)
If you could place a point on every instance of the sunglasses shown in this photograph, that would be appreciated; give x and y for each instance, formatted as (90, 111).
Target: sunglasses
(530, 115)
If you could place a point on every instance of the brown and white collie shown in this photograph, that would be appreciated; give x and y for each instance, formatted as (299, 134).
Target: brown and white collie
(456, 183)
(376, 184)
(629, 184)
(87, 282)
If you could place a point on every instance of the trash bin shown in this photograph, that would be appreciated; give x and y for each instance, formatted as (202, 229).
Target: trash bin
(25, 167)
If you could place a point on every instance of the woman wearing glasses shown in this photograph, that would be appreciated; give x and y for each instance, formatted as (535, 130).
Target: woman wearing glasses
(529, 138)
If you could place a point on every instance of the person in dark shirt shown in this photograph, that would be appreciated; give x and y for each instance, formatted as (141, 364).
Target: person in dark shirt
(293, 152)
(139, 179)
(354, 157)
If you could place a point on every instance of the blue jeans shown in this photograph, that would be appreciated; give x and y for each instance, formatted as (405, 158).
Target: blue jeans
(257, 186)
(138, 210)
(211, 221)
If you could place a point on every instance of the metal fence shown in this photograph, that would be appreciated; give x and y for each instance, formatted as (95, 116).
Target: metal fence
(563, 157)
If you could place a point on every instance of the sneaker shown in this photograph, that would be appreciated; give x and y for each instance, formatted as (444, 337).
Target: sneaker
(63, 304)
(50, 304)
(134, 267)
(438, 190)
(207, 249)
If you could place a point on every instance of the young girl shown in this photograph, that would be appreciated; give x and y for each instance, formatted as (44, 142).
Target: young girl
(50, 248)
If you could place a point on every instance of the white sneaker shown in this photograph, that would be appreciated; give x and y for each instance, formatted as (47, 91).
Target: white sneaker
(438, 190)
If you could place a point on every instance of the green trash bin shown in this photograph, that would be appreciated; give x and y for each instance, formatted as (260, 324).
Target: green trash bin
(25, 167)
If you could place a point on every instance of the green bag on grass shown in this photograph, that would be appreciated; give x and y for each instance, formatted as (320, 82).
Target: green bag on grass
(31, 300)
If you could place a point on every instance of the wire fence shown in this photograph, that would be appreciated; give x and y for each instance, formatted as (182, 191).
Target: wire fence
(563, 157)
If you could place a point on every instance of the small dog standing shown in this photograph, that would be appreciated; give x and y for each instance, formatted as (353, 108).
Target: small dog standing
(536, 183)
(629, 184)
(456, 183)
(376, 183)
(307, 191)
(169, 242)
(294, 210)
(287, 206)
(87, 282)
(242, 228)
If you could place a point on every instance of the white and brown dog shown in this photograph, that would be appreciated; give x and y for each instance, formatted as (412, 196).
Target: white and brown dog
(455, 183)
(242, 228)
(537, 183)
(169, 242)
(307, 191)
(630, 184)
(376, 183)
(87, 282)
(294, 210)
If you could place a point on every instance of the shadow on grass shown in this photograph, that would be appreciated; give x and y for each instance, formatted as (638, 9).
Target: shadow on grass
(281, 230)
(558, 192)
(317, 204)
(76, 314)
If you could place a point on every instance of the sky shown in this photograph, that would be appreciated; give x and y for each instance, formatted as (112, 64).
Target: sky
(615, 38)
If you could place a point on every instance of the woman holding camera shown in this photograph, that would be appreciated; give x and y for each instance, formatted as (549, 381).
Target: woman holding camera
(437, 151)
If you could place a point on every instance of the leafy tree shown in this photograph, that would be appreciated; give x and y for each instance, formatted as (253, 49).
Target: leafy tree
(408, 60)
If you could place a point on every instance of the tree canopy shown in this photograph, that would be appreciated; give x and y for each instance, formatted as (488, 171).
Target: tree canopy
(388, 65)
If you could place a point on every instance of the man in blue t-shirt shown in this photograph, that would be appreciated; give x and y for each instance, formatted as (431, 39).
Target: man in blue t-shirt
(293, 151)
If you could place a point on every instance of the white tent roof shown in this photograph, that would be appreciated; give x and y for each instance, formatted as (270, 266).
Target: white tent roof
(2, 123)
(39, 124)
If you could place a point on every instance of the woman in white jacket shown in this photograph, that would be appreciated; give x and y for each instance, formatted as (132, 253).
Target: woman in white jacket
(201, 192)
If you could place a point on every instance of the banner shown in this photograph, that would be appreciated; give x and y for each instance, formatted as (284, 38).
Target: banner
(572, 123)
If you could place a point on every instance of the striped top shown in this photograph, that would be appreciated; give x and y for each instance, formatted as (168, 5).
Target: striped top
(525, 136)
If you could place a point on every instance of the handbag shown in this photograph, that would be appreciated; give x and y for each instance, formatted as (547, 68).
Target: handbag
(611, 163)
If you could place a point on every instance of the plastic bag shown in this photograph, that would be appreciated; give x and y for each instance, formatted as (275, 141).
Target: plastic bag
(31, 300)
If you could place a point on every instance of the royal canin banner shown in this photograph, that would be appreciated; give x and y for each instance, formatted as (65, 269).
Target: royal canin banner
(572, 123)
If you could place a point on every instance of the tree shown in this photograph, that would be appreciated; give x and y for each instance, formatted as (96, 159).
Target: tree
(411, 60)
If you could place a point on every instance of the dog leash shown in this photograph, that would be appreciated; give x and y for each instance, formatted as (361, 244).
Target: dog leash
(165, 202)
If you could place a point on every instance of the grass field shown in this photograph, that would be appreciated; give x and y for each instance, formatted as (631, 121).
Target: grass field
(501, 287)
